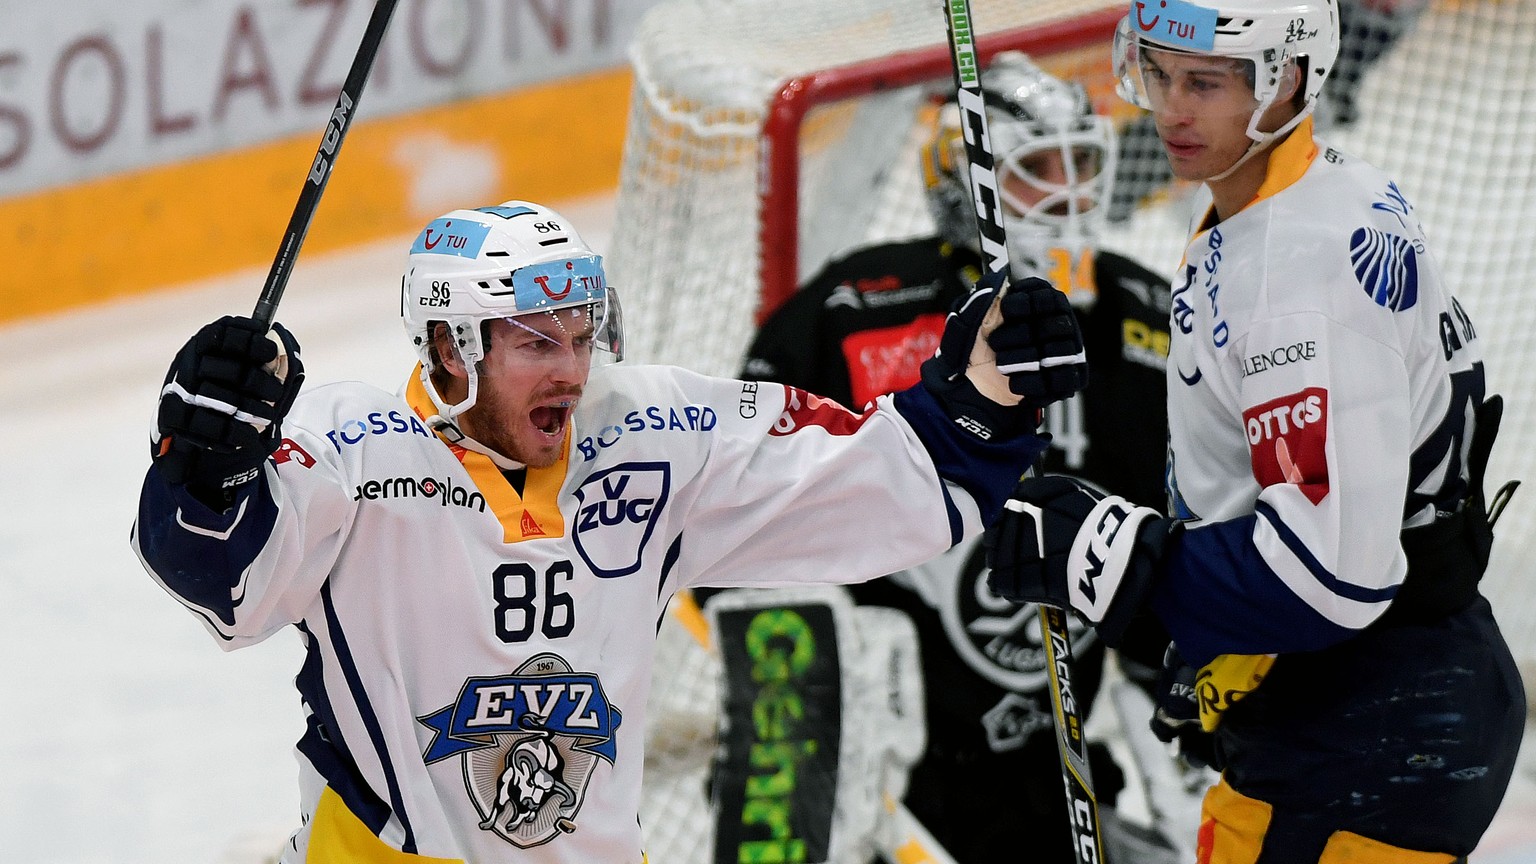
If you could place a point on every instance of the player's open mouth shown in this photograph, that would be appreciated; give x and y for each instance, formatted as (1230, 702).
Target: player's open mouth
(551, 419)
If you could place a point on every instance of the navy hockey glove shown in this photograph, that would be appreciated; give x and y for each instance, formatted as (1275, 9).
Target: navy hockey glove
(1060, 543)
(221, 407)
(1177, 717)
(1038, 352)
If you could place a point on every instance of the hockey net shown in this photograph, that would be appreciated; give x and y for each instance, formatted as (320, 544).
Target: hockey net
(765, 137)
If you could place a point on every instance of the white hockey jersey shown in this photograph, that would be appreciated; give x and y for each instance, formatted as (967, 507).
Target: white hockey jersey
(478, 659)
(1322, 382)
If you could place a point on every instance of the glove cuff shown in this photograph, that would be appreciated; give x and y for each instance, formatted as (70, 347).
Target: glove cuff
(1152, 538)
(973, 411)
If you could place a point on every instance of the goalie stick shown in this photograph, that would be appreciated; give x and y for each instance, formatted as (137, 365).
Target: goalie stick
(325, 159)
(1087, 839)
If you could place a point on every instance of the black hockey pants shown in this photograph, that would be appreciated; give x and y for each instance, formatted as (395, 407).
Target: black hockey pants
(1406, 734)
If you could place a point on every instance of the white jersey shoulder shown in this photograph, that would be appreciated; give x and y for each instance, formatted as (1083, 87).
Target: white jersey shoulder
(1316, 358)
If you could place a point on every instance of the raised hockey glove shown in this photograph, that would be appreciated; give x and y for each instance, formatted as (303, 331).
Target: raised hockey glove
(1061, 543)
(994, 375)
(1177, 717)
(222, 407)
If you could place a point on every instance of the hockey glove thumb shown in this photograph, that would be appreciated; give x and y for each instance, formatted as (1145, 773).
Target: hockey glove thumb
(1061, 543)
(1177, 717)
(222, 407)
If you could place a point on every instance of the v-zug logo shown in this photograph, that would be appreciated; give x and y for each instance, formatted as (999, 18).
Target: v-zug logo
(445, 491)
(616, 514)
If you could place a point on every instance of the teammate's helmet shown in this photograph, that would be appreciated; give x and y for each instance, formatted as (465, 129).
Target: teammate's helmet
(1030, 116)
(470, 266)
(1268, 37)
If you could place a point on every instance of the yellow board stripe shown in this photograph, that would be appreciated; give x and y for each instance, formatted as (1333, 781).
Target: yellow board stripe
(129, 233)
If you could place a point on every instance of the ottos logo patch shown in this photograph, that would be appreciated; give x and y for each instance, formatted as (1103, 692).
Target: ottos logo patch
(1288, 442)
(890, 358)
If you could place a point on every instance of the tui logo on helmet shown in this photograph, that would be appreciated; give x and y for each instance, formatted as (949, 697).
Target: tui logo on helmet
(444, 237)
(543, 282)
(1178, 23)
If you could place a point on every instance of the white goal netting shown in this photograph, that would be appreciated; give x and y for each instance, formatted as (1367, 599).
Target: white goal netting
(728, 133)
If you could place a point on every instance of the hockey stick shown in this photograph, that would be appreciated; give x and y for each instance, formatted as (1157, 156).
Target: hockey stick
(325, 159)
(1070, 744)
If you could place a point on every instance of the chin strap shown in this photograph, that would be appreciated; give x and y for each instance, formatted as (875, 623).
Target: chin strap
(500, 461)
(444, 421)
(1264, 139)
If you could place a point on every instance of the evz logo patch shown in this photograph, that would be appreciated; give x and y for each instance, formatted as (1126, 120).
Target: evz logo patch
(1288, 442)
(617, 512)
(529, 742)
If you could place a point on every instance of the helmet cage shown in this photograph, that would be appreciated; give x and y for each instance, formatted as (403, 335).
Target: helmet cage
(1080, 192)
(1030, 112)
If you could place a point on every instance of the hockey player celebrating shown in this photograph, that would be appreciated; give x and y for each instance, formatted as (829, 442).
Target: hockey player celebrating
(863, 325)
(477, 565)
(1328, 439)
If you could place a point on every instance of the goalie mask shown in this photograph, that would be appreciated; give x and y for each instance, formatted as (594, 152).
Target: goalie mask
(510, 261)
(1055, 163)
(1258, 40)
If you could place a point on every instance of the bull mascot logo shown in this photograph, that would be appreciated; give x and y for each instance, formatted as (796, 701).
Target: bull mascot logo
(533, 773)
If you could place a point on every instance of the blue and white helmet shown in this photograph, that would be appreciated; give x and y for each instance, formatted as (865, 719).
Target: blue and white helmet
(1268, 36)
(517, 258)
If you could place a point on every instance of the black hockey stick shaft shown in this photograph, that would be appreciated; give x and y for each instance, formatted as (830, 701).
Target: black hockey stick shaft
(319, 175)
(1070, 745)
(978, 142)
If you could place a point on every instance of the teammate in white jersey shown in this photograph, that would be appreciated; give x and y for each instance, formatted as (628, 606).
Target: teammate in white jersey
(1328, 437)
(478, 565)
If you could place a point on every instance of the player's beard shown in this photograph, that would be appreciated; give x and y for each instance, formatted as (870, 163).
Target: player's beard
(512, 427)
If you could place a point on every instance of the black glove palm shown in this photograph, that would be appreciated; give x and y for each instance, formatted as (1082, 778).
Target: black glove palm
(1060, 543)
(221, 408)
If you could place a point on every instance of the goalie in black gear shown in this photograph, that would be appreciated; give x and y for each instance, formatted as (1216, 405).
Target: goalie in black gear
(989, 779)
